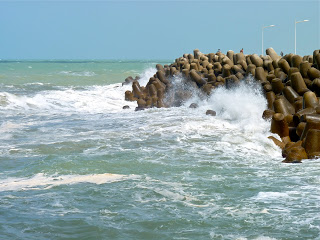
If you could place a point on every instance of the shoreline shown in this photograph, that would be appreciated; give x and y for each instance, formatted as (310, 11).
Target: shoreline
(291, 85)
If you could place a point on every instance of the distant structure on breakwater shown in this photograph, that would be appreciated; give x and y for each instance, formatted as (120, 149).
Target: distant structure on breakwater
(291, 85)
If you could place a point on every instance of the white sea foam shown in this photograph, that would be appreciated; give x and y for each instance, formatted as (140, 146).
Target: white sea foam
(271, 196)
(214, 235)
(78, 74)
(93, 99)
(242, 103)
(237, 130)
(42, 181)
(238, 123)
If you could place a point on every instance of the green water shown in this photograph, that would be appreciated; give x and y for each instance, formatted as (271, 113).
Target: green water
(75, 165)
(72, 72)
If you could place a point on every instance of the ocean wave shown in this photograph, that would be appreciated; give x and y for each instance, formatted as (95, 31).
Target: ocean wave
(91, 99)
(94, 99)
(146, 75)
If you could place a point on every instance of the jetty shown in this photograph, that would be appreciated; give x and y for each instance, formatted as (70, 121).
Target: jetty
(291, 85)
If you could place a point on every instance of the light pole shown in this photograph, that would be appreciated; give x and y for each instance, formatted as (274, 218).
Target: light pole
(295, 34)
(262, 37)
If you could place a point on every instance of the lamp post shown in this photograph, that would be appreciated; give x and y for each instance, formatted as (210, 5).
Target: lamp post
(262, 37)
(295, 34)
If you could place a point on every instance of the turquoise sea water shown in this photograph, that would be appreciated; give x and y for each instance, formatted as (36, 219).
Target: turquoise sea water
(75, 165)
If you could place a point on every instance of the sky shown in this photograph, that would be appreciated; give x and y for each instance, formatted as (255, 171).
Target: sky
(153, 29)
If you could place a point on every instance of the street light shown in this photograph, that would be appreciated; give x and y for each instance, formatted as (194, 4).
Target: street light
(295, 34)
(262, 36)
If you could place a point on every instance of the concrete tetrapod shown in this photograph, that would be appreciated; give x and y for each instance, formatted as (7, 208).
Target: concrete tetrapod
(291, 85)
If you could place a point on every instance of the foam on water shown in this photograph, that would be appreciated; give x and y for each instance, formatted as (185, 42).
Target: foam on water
(238, 123)
(42, 181)
(78, 74)
(213, 235)
(93, 99)
(196, 175)
(238, 129)
(242, 104)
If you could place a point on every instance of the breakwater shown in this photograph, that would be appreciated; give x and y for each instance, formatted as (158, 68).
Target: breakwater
(291, 85)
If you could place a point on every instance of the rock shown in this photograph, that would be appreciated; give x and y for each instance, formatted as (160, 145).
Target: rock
(128, 80)
(239, 57)
(268, 114)
(197, 78)
(290, 94)
(270, 77)
(286, 140)
(256, 60)
(316, 59)
(193, 105)
(260, 74)
(142, 103)
(267, 87)
(292, 70)
(295, 61)
(298, 84)
(269, 66)
(312, 122)
(139, 109)
(230, 55)
(160, 67)
(137, 92)
(312, 143)
(282, 105)
(284, 65)
(126, 107)
(279, 125)
(161, 76)
(251, 69)
(231, 81)
(207, 88)
(211, 112)
(295, 155)
(152, 90)
(313, 73)
(310, 100)
(288, 147)
(277, 85)
(277, 142)
(316, 86)
(270, 99)
(304, 68)
(212, 78)
(300, 128)
(160, 103)
(129, 96)
(297, 117)
(226, 70)
(272, 53)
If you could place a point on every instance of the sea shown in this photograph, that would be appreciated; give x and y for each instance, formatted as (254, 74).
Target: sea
(75, 165)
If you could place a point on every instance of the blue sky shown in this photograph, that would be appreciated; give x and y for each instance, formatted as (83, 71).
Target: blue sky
(152, 29)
